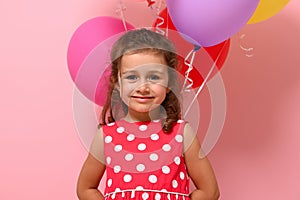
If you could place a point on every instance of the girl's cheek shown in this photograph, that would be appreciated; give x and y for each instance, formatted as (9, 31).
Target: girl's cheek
(128, 89)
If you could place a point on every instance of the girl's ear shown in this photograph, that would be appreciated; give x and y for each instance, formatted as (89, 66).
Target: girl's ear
(118, 83)
(117, 86)
(168, 90)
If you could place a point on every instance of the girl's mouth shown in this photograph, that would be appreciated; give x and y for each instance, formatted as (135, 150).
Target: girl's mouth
(142, 97)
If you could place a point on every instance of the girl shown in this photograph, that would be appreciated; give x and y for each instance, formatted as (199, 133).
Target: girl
(148, 152)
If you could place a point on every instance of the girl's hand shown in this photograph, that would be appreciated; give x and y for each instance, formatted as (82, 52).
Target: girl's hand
(199, 168)
(89, 178)
(92, 171)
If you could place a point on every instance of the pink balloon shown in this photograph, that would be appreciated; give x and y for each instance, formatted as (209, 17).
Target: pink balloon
(209, 22)
(88, 65)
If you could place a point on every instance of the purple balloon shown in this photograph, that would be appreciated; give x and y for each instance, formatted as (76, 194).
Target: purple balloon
(209, 22)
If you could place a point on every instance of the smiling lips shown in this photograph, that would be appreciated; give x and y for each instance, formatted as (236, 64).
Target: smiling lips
(142, 99)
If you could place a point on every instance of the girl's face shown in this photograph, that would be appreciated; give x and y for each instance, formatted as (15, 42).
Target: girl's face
(143, 82)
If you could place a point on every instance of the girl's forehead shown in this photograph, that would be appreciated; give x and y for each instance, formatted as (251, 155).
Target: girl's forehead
(131, 61)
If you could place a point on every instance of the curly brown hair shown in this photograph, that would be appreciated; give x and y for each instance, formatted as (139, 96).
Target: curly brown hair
(143, 41)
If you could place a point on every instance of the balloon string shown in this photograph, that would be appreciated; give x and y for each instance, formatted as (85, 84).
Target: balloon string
(204, 81)
(162, 20)
(249, 51)
(120, 10)
(167, 23)
(187, 79)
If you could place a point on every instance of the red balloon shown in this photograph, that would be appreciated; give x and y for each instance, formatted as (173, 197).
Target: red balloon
(217, 53)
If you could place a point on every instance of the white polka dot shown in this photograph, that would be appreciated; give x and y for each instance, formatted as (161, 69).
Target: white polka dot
(156, 120)
(153, 157)
(120, 129)
(180, 121)
(165, 169)
(117, 169)
(164, 190)
(117, 190)
(145, 195)
(108, 139)
(174, 184)
(108, 160)
(157, 196)
(140, 167)
(143, 127)
(154, 137)
(179, 138)
(139, 188)
(129, 157)
(118, 148)
(109, 182)
(181, 175)
(177, 160)
(127, 178)
(166, 147)
(142, 146)
(152, 179)
(111, 124)
(130, 137)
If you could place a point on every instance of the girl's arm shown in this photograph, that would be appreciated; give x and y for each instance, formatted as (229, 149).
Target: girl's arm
(92, 172)
(199, 168)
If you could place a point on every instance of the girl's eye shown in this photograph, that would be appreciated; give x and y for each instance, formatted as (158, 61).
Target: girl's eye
(154, 78)
(131, 77)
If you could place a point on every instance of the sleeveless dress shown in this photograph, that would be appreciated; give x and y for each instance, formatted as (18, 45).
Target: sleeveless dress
(143, 162)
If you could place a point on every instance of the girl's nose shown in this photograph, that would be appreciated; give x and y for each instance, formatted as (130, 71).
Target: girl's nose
(144, 89)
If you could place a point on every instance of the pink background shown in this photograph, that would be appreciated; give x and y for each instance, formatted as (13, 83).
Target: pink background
(256, 157)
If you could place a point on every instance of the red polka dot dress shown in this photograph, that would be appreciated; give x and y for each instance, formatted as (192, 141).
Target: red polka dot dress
(143, 162)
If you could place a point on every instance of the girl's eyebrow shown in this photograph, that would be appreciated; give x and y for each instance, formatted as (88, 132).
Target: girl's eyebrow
(129, 71)
(157, 72)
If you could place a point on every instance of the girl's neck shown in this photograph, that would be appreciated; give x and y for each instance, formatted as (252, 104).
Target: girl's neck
(143, 117)
(128, 118)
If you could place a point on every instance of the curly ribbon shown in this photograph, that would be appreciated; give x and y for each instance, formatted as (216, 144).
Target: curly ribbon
(248, 51)
(160, 20)
(186, 86)
(120, 11)
(159, 24)
(204, 81)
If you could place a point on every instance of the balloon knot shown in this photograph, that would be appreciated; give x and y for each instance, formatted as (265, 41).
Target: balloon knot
(150, 2)
(196, 47)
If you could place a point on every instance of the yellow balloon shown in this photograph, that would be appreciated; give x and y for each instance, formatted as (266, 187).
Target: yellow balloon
(267, 9)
